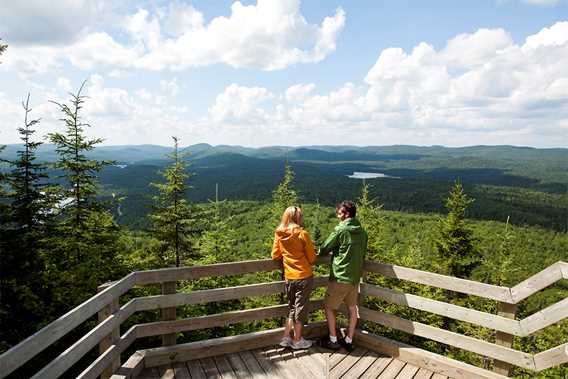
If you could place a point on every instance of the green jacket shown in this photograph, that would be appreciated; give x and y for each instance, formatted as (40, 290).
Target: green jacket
(348, 243)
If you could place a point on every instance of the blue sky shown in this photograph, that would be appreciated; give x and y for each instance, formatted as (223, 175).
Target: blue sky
(451, 73)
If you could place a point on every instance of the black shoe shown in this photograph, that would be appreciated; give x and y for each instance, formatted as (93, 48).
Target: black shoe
(347, 346)
(327, 344)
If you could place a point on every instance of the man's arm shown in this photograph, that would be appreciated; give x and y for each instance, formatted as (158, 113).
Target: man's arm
(330, 244)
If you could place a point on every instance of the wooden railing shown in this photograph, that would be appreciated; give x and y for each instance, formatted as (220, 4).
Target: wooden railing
(112, 344)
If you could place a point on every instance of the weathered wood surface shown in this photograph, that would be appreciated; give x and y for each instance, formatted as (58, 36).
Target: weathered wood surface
(537, 282)
(216, 320)
(474, 345)
(112, 338)
(546, 317)
(131, 368)
(216, 294)
(71, 355)
(504, 339)
(36, 343)
(551, 357)
(218, 269)
(469, 287)
(422, 358)
(112, 354)
(168, 314)
(441, 308)
(224, 345)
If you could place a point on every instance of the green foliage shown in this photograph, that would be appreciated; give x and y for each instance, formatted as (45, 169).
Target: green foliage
(3, 47)
(171, 217)
(455, 244)
(284, 195)
(370, 215)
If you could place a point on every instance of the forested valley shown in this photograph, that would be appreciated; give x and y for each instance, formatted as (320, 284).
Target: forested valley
(61, 235)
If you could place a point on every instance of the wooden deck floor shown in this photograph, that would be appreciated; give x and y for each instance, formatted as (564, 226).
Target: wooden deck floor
(284, 363)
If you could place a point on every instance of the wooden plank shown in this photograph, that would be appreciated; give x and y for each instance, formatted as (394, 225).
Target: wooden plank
(112, 338)
(195, 369)
(36, 343)
(469, 287)
(546, 317)
(504, 339)
(343, 368)
(169, 313)
(71, 355)
(104, 360)
(376, 368)
(220, 319)
(252, 364)
(335, 358)
(131, 368)
(309, 366)
(441, 308)
(408, 371)
(181, 371)
(223, 345)
(218, 269)
(149, 373)
(363, 364)
(285, 361)
(423, 374)
(269, 368)
(439, 376)
(392, 370)
(224, 367)
(551, 357)
(422, 358)
(564, 269)
(535, 283)
(238, 365)
(166, 372)
(216, 294)
(474, 345)
(210, 368)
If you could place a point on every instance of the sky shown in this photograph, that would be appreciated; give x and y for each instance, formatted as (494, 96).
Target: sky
(290, 72)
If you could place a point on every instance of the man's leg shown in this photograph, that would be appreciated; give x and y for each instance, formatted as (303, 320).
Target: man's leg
(353, 316)
(331, 323)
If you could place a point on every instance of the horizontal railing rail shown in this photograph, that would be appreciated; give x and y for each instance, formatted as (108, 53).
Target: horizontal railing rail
(33, 345)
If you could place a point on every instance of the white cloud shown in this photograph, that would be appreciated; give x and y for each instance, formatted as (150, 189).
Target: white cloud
(299, 92)
(240, 104)
(269, 35)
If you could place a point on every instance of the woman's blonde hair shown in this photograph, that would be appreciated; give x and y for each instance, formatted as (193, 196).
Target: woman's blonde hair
(291, 218)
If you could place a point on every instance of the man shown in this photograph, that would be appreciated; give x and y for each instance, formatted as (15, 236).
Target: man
(348, 244)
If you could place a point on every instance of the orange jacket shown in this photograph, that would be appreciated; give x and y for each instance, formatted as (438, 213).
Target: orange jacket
(296, 249)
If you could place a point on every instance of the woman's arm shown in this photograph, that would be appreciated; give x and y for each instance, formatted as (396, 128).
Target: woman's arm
(276, 252)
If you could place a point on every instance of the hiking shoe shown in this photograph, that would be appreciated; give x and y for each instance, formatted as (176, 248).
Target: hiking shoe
(285, 342)
(326, 343)
(347, 346)
(301, 344)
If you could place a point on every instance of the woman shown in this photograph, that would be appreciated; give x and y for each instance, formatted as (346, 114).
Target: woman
(294, 246)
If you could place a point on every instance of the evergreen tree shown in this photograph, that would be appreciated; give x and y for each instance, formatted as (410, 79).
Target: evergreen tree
(284, 195)
(455, 243)
(370, 215)
(217, 243)
(20, 283)
(82, 251)
(3, 47)
(171, 217)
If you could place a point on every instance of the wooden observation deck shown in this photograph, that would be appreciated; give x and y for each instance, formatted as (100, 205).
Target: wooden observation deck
(258, 355)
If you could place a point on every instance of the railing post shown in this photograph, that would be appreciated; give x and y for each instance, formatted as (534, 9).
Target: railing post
(504, 339)
(113, 337)
(168, 314)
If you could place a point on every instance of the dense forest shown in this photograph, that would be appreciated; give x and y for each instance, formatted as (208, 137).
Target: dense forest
(80, 221)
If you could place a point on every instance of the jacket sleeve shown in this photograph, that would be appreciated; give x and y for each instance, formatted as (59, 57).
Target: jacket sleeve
(331, 243)
(276, 252)
(309, 248)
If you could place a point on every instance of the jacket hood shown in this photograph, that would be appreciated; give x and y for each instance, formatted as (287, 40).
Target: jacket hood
(352, 225)
(286, 234)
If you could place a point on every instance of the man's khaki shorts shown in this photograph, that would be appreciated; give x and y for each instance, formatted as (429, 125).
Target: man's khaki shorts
(338, 293)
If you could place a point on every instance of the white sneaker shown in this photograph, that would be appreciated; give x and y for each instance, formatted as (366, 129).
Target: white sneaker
(301, 344)
(285, 342)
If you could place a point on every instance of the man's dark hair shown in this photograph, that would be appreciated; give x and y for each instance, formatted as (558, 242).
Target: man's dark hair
(349, 207)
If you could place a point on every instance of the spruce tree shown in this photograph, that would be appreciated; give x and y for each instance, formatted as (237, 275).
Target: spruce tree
(284, 195)
(82, 251)
(171, 216)
(370, 215)
(3, 47)
(455, 243)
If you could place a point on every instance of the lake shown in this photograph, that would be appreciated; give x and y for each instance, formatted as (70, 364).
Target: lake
(370, 175)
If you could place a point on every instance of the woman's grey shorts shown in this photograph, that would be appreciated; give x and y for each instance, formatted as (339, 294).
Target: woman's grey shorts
(298, 291)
